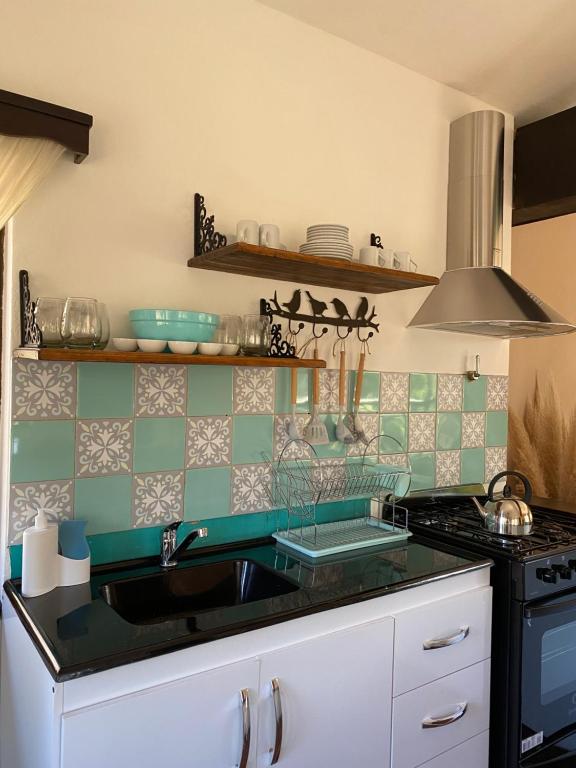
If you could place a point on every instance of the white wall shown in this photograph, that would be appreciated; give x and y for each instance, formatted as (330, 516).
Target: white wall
(269, 118)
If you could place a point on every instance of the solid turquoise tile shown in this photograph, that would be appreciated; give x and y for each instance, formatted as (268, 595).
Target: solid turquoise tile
(496, 428)
(370, 396)
(105, 390)
(423, 467)
(251, 437)
(207, 493)
(475, 394)
(472, 465)
(449, 431)
(209, 390)
(282, 397)
(423, 392)
(395, 425)
(42, 450)
(159, 444)
(104, 502)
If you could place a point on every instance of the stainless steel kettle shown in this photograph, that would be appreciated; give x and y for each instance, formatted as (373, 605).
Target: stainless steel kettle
(505, 513)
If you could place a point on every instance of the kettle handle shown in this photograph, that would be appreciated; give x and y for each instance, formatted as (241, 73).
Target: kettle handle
(507, 491)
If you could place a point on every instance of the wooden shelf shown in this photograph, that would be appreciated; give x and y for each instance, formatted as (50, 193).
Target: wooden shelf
(167, 358)
(274, 264)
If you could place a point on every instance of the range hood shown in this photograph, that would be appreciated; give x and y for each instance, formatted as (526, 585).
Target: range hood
(475, 295)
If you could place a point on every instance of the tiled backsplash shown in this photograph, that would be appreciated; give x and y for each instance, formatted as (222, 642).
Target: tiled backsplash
(127, 446)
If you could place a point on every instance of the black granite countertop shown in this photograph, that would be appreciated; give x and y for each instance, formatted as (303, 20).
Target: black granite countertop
(77, 632)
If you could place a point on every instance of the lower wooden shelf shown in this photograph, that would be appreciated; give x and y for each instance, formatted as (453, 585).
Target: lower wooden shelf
(162, 358)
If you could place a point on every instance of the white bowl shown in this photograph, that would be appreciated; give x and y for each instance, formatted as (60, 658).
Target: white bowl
(209, 348)
(230, 349)
(182, 347)
(125, 345)
(151, 345)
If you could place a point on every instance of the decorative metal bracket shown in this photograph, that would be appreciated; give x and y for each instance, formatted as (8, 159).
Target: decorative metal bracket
(344, 322)
(206, 238)
(376, 240)
(30, 334)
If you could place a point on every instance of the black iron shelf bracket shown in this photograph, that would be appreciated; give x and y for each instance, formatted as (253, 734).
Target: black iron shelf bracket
(376, 240)
(206, 238)
(30, 334)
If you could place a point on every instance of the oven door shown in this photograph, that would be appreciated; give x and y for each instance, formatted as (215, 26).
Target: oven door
(548, 672)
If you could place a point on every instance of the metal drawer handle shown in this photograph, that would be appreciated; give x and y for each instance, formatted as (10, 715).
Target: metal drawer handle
(444, 642)
(438, 722)
(245, 702)
(278, 717)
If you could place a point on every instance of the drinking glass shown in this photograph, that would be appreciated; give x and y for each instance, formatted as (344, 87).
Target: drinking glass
(255, 335)
(230, 329)
(48, 314)
(102, 343)
(80, 323)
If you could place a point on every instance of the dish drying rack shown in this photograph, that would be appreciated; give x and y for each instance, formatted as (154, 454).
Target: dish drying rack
(299, 485)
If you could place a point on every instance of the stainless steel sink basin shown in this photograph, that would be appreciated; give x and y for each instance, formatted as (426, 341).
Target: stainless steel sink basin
(186, 592)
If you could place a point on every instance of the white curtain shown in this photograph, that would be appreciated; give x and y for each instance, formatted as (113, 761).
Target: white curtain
(24, 163)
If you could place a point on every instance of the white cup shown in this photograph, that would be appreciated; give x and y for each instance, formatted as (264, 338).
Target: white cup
(370, 255)
(247, 231)
(269, 235)
(405, 262)
(386, 258)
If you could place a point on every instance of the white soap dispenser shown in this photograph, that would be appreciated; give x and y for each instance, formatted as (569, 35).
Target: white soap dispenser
(39, 562)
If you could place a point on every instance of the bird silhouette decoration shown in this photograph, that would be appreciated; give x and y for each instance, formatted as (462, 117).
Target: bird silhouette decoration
(362, 308)
(318, 307)
(340, 308)
(294, 304)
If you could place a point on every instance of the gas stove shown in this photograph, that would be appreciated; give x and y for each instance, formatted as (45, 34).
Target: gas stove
(533, 701)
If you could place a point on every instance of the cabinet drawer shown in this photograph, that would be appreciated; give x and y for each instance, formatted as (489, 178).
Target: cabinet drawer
(417, 732)
(472, 754)
(434, 640)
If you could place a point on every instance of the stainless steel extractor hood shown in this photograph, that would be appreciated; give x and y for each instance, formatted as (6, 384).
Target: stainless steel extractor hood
(475, 295)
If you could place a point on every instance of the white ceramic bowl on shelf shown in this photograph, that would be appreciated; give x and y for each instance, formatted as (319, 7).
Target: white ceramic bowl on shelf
(182, 347)
(125, 345)
(152, 345)
(230, 349)
(209, 348)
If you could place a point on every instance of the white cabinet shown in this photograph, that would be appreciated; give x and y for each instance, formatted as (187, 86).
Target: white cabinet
(196, 722)
(471, 754)
(334, 695)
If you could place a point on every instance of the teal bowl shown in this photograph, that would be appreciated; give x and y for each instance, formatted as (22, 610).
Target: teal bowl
(173, 324)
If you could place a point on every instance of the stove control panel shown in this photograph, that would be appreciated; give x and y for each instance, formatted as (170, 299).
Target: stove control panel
(548, 575)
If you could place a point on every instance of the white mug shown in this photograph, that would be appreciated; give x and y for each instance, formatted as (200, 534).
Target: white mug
(406, 263)
(269, 235)
(386, 258)
(247, 231)
(370, 255)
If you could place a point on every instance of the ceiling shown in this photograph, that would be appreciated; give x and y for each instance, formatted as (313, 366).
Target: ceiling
(518, 55)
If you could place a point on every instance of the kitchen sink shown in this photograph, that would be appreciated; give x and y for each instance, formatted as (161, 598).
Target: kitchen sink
(186, 592)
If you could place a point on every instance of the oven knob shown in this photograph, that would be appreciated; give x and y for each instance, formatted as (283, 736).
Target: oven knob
(547, 575)
(564, 571)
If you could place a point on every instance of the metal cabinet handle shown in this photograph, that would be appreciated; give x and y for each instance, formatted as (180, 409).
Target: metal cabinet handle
(276, 698)
(245, 702)
(444, 642)
(438, 722)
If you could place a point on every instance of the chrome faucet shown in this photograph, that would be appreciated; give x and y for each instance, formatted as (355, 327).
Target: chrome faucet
(170, 552)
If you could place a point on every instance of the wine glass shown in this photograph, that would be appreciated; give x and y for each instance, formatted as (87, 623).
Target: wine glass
(48, 314)
(80, 323)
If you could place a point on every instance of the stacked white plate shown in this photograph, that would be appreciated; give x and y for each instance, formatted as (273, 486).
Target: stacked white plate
(328, 240)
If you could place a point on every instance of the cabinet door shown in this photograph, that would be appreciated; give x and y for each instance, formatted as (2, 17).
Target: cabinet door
(334, 693)
(196, 722)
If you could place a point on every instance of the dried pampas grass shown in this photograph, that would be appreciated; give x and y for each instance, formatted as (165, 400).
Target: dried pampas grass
(542, 444)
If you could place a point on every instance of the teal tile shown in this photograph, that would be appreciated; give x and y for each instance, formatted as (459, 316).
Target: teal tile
(251, 437)
(42, 450)
(423, 470)
(370, 397)
(396, 426)
(334, 449)
(475, 394)
(159, 444)
(105, 390)
(472, 465)
(449, 431)
(209, 390)
(423, 392)
(104, 502)
(207, 493)
(496, 428)
(282, 402)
